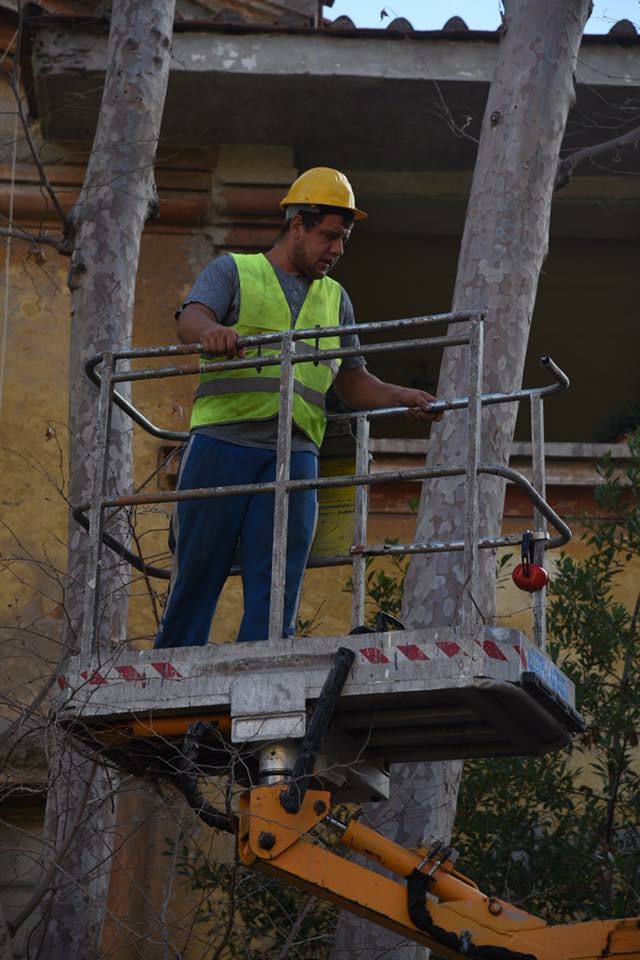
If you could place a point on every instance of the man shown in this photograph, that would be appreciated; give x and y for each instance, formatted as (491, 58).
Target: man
(234, 420)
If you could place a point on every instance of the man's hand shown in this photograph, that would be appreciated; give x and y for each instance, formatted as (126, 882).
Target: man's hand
(419, 403)
(219, 341)
(199, 323)
(361, 390)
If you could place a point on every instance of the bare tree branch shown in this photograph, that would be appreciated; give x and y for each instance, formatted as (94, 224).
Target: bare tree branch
(566, 167)
(28, 711)
(295, 929)
(12, 80)
(228, 930)
(34, 238)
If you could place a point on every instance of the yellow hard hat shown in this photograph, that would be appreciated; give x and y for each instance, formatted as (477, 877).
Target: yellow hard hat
(323, 185)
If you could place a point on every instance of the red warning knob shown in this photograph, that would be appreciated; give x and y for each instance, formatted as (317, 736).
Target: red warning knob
(530, 577)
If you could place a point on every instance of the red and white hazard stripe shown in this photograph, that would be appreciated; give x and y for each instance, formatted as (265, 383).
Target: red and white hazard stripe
(401, 652)
(124, 671)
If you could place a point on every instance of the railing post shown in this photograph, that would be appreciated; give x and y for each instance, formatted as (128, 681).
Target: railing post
(472, 508)
(89, 647)
(540, 522)
(281, 496)
(359, 565)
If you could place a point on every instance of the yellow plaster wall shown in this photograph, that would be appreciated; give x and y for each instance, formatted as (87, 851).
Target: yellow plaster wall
(33, 445)
(34, 441)
(34, 410)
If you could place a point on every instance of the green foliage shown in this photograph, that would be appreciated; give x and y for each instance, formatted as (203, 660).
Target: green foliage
(249, 915)
(305, 627)
(503, 570)
(383, 589)
(561, 834)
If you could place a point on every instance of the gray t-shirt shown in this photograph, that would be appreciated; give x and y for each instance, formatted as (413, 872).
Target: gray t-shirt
(218, 287)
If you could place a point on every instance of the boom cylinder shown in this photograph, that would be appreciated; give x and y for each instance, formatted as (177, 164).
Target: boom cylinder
(444, 885)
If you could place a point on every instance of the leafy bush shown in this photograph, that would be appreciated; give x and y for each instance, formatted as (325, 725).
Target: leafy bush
(560, 835)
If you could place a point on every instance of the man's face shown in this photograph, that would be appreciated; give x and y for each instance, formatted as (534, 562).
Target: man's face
(314, 252)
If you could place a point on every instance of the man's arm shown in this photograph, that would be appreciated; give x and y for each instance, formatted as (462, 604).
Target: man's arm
(361, 390)
(199, 323)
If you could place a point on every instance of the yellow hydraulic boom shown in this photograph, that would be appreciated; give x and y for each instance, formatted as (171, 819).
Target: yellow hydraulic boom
(433, 904)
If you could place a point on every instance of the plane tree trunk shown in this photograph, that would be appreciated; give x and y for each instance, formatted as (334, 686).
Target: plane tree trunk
(503, 248)
(103, 235)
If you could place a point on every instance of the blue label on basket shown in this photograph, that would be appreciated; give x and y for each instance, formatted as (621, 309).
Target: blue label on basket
(547, 671)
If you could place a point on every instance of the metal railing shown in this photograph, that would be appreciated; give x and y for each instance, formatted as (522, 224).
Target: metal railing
(105, 372)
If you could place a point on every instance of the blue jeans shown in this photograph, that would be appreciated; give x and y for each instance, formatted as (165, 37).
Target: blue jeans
(206, 533)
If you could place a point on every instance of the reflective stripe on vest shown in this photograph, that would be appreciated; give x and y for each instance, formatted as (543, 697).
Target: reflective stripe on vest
(252, 393)
(213, 388)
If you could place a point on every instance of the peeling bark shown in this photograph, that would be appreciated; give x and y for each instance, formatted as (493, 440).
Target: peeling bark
(105, 229)
(503, 248)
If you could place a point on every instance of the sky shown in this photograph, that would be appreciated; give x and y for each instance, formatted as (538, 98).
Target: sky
(477, 14)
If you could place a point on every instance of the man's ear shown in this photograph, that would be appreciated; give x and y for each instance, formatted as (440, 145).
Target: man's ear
(296, 226)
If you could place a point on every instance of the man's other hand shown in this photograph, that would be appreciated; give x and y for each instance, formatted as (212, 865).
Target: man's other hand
(419, 404)
(361, 390)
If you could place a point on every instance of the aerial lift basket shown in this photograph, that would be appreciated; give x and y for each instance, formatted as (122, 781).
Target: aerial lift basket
(468, 690)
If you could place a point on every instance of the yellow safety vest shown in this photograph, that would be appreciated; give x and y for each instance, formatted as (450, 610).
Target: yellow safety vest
(253, 393)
